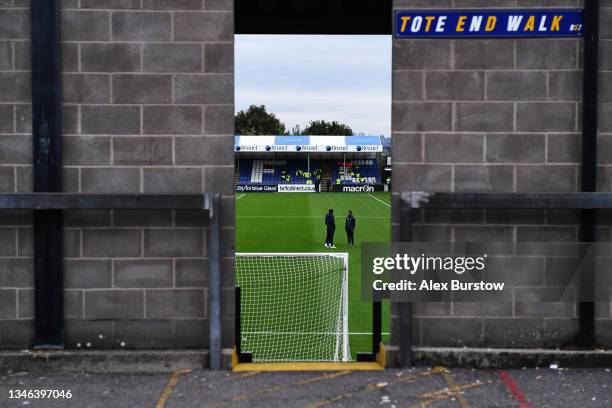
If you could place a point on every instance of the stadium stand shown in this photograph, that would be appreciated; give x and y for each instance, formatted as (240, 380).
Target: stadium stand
(260, 171)
(363, 171)
(277, 171)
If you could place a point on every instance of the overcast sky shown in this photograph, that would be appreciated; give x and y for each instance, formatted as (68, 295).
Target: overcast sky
(303, 78)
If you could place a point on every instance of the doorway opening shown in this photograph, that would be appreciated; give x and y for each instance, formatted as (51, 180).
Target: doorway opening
(313, 127)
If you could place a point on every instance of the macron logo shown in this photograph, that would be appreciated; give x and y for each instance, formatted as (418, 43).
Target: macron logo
(358, 189)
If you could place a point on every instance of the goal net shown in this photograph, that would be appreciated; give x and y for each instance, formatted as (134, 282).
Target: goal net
(294, 307)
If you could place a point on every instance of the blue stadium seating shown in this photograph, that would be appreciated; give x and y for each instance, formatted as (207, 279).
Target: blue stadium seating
(360, 171)
(265, 171)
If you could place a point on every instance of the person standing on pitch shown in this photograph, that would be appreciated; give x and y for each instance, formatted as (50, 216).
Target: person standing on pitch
(349, 226)
(331, 228)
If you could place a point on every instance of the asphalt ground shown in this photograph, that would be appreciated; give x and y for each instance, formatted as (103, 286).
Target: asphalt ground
(421, 387)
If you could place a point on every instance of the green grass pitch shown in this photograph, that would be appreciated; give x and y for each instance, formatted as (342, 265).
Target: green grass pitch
(294, 222)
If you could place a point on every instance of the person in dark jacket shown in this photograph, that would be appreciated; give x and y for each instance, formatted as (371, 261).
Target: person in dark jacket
(317, 184)
(331, 228)
(349, 226)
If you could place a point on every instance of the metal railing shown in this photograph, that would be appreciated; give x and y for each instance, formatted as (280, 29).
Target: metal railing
(49, 289)
(585, 202)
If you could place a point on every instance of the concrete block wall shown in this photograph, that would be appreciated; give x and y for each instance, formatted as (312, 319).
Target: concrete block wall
(495, 115)
(148, 108)
(603, 326)
(16, 269)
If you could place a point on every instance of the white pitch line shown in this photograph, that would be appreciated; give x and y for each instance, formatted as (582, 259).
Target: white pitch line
(308, 334)
(298, 216)
(240, 196)
(378, 199)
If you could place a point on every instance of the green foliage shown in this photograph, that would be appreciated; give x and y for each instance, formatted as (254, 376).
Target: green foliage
(323, 128)
(257, 121)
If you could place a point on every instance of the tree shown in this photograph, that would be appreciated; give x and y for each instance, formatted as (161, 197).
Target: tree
(323, 128)
(257, 121)
(296, 130)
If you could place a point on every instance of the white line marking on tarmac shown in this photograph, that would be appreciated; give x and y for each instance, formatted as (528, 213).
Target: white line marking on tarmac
(378, 199)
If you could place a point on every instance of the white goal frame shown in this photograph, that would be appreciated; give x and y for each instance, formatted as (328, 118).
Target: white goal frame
(345, 278)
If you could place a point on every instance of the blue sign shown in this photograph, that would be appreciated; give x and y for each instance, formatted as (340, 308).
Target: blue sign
(363, 140)
(292, 140)
(489, 23)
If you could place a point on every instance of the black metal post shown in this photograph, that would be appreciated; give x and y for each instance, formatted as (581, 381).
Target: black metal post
(376, 327)
(238, 323)
(70, 201)
(214, 291)
(589, 164)
(405, 309)
(47, 168)
(242, 357)
(376, 334)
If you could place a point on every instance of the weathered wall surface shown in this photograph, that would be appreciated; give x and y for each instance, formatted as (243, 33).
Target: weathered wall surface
(499, 115)
(148, 108)
(603, 324)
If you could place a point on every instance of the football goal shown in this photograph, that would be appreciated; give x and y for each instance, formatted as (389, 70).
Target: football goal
(293, 307)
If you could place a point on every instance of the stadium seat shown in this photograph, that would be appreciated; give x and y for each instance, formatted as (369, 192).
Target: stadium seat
(265, 171)
(360, 172)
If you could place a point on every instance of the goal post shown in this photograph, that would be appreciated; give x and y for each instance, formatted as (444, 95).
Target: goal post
(292, 307)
